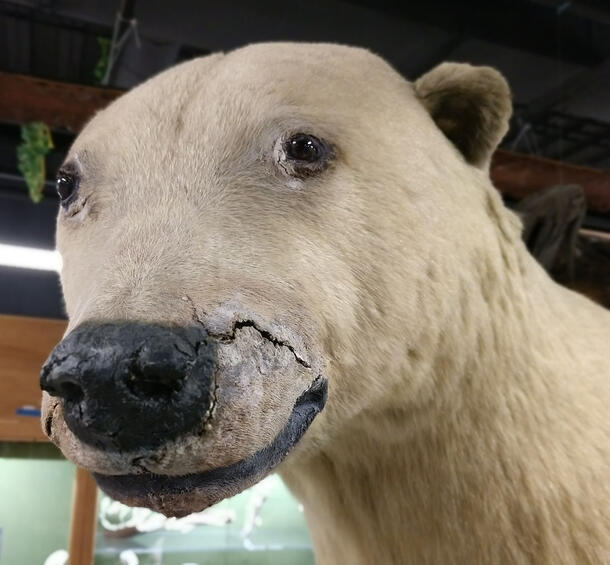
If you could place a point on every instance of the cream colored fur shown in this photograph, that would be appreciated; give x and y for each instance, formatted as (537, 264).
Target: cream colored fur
(467, 420)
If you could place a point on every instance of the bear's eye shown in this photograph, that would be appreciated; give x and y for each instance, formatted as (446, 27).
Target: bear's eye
(66, 184)
(303, 147)
(302, 155)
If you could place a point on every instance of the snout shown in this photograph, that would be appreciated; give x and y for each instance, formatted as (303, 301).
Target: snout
(177, 418)
(130, 386)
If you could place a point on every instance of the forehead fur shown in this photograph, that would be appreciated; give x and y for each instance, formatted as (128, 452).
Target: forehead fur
(273, 80)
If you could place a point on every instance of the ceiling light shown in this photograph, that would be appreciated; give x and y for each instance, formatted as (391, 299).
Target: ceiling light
(29, 258)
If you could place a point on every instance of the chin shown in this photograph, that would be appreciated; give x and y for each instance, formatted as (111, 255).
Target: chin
(179, 495)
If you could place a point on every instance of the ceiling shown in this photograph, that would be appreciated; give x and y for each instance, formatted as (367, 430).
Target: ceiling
(555, 54)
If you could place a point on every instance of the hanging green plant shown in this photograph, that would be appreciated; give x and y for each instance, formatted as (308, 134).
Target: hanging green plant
(102, 63)
(36, 142)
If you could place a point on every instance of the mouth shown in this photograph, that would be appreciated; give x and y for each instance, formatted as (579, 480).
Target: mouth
(181, 495)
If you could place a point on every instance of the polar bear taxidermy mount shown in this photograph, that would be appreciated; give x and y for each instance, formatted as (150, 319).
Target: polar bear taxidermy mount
(290, 258)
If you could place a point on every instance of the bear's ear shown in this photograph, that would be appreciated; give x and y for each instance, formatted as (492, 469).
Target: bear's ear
(471, 106)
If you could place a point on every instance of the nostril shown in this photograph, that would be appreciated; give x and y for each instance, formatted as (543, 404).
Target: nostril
(61, 384)
(71, 391)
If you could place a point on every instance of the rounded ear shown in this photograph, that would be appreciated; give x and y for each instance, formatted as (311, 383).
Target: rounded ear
(470, 105)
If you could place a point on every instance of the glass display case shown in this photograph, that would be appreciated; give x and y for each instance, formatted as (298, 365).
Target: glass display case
(264, 524)
(36, 485)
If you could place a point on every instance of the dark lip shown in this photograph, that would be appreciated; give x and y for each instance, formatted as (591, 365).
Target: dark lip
(167, 494)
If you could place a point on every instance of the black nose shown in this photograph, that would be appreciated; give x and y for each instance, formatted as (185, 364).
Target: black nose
(128, 386)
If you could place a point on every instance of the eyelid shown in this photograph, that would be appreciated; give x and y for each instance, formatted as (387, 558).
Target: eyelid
(69, 168)
(72, 165)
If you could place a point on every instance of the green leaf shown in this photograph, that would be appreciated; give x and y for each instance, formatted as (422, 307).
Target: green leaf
(36, 142)
(102, 63)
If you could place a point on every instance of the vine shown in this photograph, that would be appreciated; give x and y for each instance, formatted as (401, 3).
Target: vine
(36, 142)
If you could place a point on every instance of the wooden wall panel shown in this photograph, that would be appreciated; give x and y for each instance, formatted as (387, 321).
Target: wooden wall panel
(25, 343)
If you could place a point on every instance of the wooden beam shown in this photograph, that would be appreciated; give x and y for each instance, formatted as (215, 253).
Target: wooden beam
(25, 343)
(60, 105)
(83, 520)
(517, 175)
(69, 106)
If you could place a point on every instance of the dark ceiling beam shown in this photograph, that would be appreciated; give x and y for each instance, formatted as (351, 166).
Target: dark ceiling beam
(443, 53)
(570, 88)
(570, 147)
(36, 13)
(69, 106)
(601, 156)
(552, 133)
(596, 10)
(521, 24)
(60, 105)
(536, 27)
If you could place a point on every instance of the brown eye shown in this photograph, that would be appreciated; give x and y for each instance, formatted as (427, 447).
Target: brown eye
(304, 148)
(66, 184)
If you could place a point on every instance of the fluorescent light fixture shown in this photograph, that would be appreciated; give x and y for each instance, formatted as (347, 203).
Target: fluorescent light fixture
(29, 258)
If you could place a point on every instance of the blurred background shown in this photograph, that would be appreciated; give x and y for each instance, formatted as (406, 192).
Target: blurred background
(61, 60)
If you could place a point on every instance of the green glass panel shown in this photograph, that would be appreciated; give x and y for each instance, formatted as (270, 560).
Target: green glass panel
(35, 501)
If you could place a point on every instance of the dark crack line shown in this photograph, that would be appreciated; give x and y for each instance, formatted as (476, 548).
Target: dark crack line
(269, 337)
(229, 337)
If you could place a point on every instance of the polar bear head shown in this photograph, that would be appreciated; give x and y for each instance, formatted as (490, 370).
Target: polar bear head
(258, 248)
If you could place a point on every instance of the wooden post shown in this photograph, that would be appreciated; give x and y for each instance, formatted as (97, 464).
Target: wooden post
(83, 519)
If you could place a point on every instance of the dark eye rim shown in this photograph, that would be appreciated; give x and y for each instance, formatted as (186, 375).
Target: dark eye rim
(303, 168)
(66, 173)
